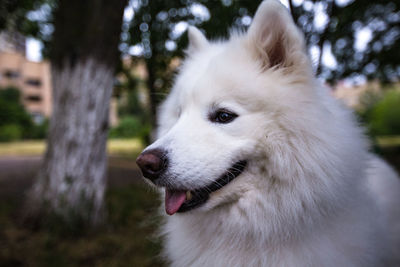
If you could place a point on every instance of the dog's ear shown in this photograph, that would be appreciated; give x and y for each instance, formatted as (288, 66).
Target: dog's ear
(197, 40)
(274, 37)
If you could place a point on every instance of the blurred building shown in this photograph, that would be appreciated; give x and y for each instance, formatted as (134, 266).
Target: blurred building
(351, 94)
(33, 79)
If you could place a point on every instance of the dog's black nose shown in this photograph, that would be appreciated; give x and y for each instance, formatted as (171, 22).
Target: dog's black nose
(152, 163)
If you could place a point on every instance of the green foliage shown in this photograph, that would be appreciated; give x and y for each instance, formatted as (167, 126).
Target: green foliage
(152, 28)
(130, 127)
(131, 106)
(38, 131)
(10, 94)
(384, 117)
(10, 132)
(134, 116)
(14, 16)
(11, 111)
(154, 21)
(15, 122)
(378, 59)
(153, 24)
(368, 100)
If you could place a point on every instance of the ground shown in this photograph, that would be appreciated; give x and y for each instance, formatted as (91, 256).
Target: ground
(127, 239)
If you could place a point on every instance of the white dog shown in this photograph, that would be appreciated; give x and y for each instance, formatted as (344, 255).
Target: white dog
(261, 166)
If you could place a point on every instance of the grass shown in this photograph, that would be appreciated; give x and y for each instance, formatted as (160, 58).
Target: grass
(115, 147)
(126, 240)
(22, 148)
(388, 141)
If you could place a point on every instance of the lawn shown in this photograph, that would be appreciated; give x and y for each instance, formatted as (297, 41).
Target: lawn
(128, 237)
(115, 147)
(388, 141)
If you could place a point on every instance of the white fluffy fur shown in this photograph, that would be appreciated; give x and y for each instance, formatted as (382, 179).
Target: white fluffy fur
(311, 194)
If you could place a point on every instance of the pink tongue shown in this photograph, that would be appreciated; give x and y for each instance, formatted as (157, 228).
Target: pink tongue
(174, 200)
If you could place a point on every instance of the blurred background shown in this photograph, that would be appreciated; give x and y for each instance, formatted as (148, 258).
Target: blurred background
(88, 76)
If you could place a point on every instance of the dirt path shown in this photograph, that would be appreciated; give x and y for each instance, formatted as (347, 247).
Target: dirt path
(18, 173)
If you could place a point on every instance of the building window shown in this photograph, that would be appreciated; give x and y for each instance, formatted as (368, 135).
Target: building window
(34, 98)
(33, 82)
(11, 74)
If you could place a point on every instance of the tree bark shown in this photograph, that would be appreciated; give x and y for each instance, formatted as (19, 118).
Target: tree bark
(72, 182)
(72, 179)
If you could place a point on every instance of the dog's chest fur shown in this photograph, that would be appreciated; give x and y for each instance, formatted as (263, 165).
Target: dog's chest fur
(234, 237)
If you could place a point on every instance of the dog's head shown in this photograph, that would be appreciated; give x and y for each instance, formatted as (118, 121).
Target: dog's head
(234, 114)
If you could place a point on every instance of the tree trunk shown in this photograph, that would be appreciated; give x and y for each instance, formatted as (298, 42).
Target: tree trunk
(72, 180)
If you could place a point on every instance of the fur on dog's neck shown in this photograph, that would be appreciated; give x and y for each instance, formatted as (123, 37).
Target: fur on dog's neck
(248, 232)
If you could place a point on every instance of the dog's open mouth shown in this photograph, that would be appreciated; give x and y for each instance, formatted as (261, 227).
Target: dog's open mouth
(178, 200)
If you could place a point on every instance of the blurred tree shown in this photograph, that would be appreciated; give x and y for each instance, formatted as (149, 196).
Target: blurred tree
(149, 30)
(83, 53)
(380, 57)
(13, 15)
(363, 35)
(128, 86)
(30, 18)
(154, 34)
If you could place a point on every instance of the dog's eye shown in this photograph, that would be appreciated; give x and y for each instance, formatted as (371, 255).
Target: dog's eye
(223, 116)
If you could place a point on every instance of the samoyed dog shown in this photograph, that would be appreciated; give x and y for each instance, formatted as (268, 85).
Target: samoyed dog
(260, 166)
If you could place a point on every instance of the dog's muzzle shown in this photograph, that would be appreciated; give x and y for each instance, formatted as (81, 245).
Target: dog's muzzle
(154, 163)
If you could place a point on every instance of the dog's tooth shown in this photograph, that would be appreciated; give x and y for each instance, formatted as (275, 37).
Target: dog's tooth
(188, 195)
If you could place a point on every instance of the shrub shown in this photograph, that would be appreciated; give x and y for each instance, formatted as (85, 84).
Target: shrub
(384, 116)
(38, 131)
(368, 101)
(10, 132)
(127, 128)
(14, 114)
